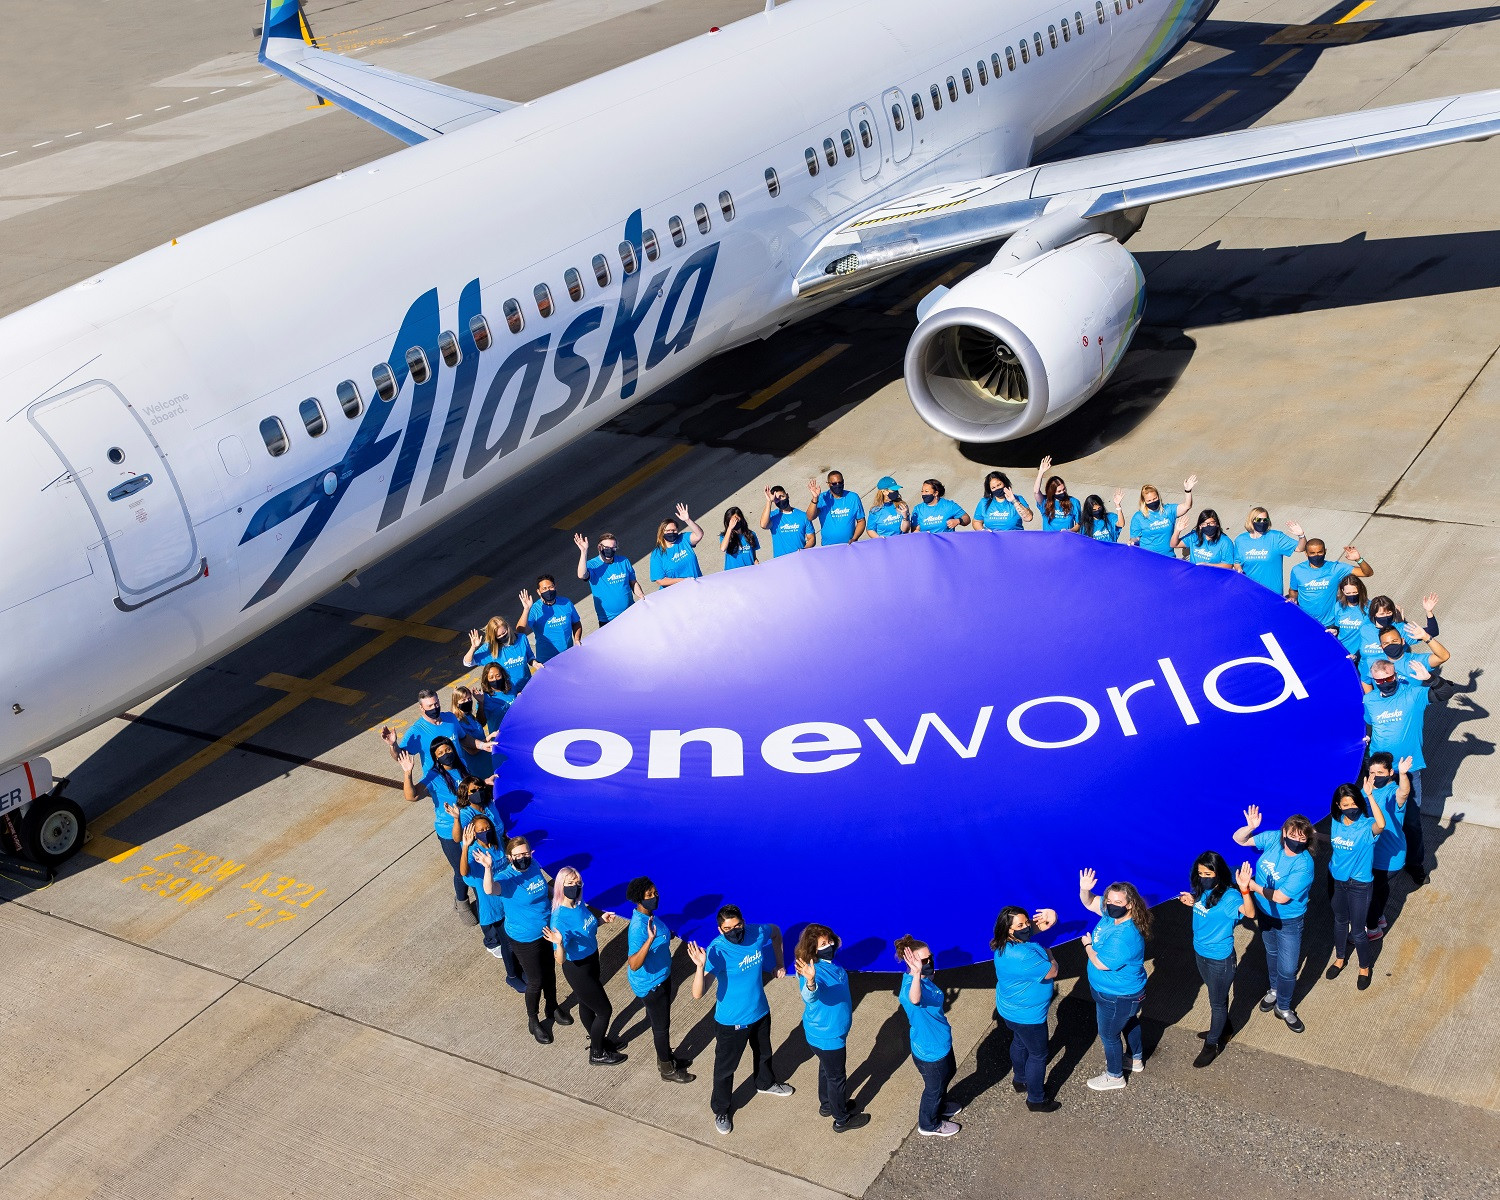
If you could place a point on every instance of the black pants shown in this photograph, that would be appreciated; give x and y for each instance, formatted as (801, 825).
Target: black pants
(594, 1008)
(1351, 907)
(1411, 825)
(833, 1083)
(658, 1003)
(1380, 896)
(453, 852)
(541, 974)
(729, 1048)
(494, 937)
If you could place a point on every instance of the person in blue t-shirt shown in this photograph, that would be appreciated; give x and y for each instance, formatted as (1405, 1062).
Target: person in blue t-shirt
(1351, 614)
(1219, 900)
(478, 828)
(1117, 973)
(573, 932)
(1154, 523)
(611, 578)
(999, 508)
(675, 557)
(523, 888)
(889, 515)
(494, 698)
(648, 971)
(1262, 551)
(1355, 826)
(827, 1014)
(931, 1038)
(739, 960)
(1060, 511)
(1024, 971)
(439, 784)
(1387, 787)
(1395, 648)
(431, 724)
(551, 618)
(480, 763)
(1283, 879)
(1395, 709)
(936, 513)
(1314, 583)
(840, 514)
(738, 541)
(1098, 523)
(1206, 545)
(789, 527)
(500, 644)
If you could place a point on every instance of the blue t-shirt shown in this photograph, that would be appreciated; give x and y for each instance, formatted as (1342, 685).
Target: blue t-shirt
(838, 515)
(491, 908)
(478, 764)
(885, 521)
(515, 660)
(1290, 874)
(789, 531)
(1219, 552)
(739, 971)
(1405, 663)
(1153, 530)
(677, 561)
(1060, 521)
(1350, 620)
(745, 555)
(1390, 848)
(1023, 993)
(658, 964)
(553, 626)
(491, 708)
(1263, 558)
(1353, 849)
(934, 517)
(613, 586)
(1122, 949)
(1396, 721)
(1000, 514)
(442, 789)
(828, 1012)
(423, 732)
(1317, 588)
(1213, 927)
(528, 903)
(579, 929)
(1105, 528)
(931, 1036)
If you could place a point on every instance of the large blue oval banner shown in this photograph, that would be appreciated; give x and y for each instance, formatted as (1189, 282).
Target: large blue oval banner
(904, 735)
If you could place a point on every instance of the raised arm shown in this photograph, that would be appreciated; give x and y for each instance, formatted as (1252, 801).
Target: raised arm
(1188, 485)
(475, 638)
(765, 513)
(1086, 881)
(1242, 879)
(812, 505)
(583, 555)
(914, 967)
(409, 790)
(700, 959)
(1361, 568)
(522, 629)
(1041, 475)
(695, 529)
(734, 523)
(1245, 832)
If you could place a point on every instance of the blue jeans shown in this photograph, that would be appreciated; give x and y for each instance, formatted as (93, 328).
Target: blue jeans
(1028, 1055)
(1117, 1015)
(1351, 908)
(494, 935)
(453, 852)
(936, 1076)
(1217, 974)
(1282, 939)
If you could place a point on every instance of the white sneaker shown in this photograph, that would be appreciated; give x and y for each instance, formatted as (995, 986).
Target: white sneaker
(944, 1129)
(1107, 1082)
(497, 951)
(1137, 1065)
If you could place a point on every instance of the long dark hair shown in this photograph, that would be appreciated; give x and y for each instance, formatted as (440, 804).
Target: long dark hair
(1354, 793)
(737, 538)
(807, 944)
(1049, 501)
(985, 498)
(1223, 877)
(1207, 514)
(455, 775)
(1087, 520)
(1001, 937)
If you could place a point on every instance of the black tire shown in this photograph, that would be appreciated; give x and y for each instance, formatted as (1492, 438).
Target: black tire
(53, 830)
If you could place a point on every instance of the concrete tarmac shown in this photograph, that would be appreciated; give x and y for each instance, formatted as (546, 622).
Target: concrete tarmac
(254, 985)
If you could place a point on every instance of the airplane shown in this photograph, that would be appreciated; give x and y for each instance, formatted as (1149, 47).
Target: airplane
(210, 436)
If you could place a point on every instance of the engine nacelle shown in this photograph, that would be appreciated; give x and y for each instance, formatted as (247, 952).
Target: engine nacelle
(1014, 348)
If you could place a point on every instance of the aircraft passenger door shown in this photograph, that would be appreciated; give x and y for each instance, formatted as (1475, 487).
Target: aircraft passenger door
(131, 492)
(898, 118)
(866, 140)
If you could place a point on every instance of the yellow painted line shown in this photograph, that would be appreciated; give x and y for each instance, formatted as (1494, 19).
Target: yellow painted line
(105, 847)
(607, 497)
(1354, 12)
(1274, 63)
(794, 377)
(411, 629)
(946, 277)
(320, 691)
(1210, 106)
(123, 854)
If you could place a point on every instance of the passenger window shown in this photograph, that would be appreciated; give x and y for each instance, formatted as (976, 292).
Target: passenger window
(349, 399)
(574, 283)
(311, 413)
(700, 214)
(773, 182)
(678, 231)
(952, 89)
(1066, 32)
(995, 64)
(916, 105)
(1078, 22)
(543, 295)
(1052, 35)
(812, 160)
(513, 317)
(848, 139)
(479, 330)
(984, 76)
(1099, 10)
(385, 381)
(937, 98)
(1025, 54)
(968, 82)
(601, 268)
(650, 245)
(416, 363)
(273, 433)
(898, 118)
(830, 152)
(726, 205)
(1119, 8)
(448, 348)
(1129, 3)
(866, 137)
(628, 259)
(1010, 59)
(1036, 39)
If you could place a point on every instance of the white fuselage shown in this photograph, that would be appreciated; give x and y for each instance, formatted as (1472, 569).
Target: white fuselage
(115, 588)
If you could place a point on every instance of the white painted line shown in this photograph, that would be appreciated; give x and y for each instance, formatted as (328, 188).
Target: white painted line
(106, 125)
(39, 145)
(190, 99)
(75, 133)
(8, 153)
(247, 83)
(272, 75)
(429, 27)
(468, 15)
(216, 91)
(164, 108)
(132, 116)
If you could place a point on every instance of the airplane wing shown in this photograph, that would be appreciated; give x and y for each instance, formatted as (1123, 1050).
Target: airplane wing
(414, 110)
(948, 217)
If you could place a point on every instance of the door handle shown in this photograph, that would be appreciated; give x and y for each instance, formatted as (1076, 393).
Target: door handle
(130, 487)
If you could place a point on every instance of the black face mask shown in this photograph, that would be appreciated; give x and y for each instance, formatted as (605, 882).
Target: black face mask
(1349, 814)
(836, 489)
(548, 596)
(523, 863)
(1153, 505)
(783, 502)
(670, 538)
(928, 499)
(1379, 781)
(1292, 846)
(607, 553)
(1098, 510)
(1354, 596)
(1395, 650)
(1211, 532)
(1384, 622)
(492, 685)
(825, 953)
(1117, 910)
(1205, 882)
(465, 706)
(445, 759)
(927, 968)
(1316, 560)
(433, 713)
(1386, 687)
(572, 891)
(650, 903)
(1021, 935)
(1260, 526)
(735, 935)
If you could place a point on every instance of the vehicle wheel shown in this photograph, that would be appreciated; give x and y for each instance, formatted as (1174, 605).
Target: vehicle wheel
(53, 830)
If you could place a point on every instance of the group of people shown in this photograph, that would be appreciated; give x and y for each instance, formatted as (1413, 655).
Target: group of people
(540, 926)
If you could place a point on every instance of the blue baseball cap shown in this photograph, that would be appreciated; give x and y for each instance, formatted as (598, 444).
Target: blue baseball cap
(887, 484)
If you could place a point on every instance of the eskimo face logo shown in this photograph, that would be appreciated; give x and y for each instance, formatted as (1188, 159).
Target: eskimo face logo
(503, 417)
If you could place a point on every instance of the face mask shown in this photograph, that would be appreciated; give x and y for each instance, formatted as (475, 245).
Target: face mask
(433, 713)
(1384, 622)
(465, 706)
(1153, 505)
(1395, 650)
(492, 685)
(670, 538)
(650, 903)
(1211, 532)
(1293, 846)
(735, 935)
(1205, 882)
(443, 758)
(928, 499)
(783, 502)
(1117, 910)
(1260, 526)
(836, 489)
(607, 553)
(1386, 687)
(522, 862)
(1349, 814)
(1021, 935)
(1098, 510)
(1379, 781)
(825, 953)
(572, 891)
(548, 596)
(927, 968)
(1316, 560)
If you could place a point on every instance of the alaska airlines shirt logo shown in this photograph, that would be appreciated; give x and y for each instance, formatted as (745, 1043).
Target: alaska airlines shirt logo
(505, 409)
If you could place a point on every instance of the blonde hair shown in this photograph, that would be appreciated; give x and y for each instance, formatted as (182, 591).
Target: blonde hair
(661, 541)
(1154, 490)
(1250, 520)
(492, 634)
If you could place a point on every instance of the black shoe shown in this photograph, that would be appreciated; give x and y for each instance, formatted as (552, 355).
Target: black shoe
(1045, 1106)
(560, 1017)
(608, 1059)
(1018, 1087)
(1365, 981)
(1268, 1001)
(1418, 878)
(1209, 1052)
(1334, 971)
(855, 1120)
(1293, 1021)
(539, 1033)
(824, 1111)
(671, 1071)
(1202, 1035)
